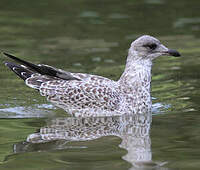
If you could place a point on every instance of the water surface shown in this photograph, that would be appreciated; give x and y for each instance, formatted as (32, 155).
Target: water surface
(93, 36)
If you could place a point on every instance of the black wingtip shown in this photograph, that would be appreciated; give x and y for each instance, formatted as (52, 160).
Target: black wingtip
(9, 64)
(9, 55)
(14, 58)
(22, 72)
(5, 53)
(6, 63)
(26, 63)
(42, 69)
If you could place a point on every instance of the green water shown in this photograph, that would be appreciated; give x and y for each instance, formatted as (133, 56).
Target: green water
(93, 36)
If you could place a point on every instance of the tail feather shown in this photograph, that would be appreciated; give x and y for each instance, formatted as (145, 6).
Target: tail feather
(28, 64)
(44, 69)
(20, 70)
(33, 80)
(35, 75)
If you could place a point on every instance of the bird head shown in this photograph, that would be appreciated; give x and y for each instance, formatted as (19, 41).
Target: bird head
(148, 47)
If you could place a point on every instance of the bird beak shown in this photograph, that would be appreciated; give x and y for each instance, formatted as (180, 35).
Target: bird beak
(165, 51)
(173, 53)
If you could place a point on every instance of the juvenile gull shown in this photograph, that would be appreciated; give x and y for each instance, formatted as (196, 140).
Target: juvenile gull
(91, 95)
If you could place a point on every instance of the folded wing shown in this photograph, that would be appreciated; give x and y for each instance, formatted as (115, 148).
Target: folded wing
(70, 91)
(41, 69)
(80, 95)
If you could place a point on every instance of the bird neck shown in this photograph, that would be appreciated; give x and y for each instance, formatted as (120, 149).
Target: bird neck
(137, 74)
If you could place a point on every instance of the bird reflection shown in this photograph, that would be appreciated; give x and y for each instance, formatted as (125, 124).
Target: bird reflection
(132, 129)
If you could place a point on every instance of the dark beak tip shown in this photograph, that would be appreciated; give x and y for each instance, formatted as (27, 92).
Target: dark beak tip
(177, 55)
(174, 53)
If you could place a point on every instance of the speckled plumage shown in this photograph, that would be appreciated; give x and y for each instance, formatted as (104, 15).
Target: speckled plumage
(91, 95)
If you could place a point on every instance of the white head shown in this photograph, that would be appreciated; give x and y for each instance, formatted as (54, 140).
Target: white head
(148, 47)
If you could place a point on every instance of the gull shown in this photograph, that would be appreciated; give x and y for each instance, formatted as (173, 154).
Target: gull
(87, 95)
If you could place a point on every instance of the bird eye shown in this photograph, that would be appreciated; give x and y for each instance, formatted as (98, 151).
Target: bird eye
(151, 46)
